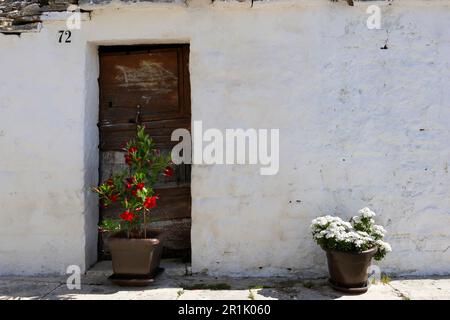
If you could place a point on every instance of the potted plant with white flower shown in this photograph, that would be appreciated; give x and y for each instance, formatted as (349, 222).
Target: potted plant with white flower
(350, 247)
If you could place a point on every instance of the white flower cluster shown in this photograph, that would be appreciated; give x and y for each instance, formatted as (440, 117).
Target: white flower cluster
(383, 246)
(378, 231)
(364, 213)
(325, 221)
(335, 228)
(359, 234)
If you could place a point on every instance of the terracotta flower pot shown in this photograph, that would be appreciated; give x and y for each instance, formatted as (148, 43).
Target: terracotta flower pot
(348, 270)
(136, 256)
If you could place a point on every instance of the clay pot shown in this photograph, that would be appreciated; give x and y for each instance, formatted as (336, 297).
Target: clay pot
(136, 256)
(348, 270)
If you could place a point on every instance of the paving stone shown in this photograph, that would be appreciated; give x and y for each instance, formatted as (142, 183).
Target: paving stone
(98, 274)
(174, 267)
(290, 293)
(173, 283)
(324, 292)
(25, 290)
(423, 289)
(214, 295)
(375, 292)
(111, 292)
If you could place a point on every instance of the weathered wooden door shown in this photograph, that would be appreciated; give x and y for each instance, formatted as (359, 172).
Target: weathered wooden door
(147, 85)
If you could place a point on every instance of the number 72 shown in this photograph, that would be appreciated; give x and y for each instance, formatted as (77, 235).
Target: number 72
(66, 33)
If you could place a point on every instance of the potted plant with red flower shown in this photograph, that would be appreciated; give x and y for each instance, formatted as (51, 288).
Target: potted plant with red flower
(135, 249)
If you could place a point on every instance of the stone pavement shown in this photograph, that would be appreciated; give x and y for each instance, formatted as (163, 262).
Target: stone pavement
(177, 283)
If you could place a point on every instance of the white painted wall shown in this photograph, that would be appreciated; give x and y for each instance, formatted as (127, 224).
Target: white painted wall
(350, 117)
(42, 163)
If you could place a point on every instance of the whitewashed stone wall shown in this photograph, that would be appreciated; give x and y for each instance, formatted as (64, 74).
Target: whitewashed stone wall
(359, 126)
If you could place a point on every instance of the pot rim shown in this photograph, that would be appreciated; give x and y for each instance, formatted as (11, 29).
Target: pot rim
(134, 239)
(159, 234)
(368, 251)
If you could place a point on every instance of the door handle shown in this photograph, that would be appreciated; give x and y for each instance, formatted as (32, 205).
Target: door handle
(137, 118)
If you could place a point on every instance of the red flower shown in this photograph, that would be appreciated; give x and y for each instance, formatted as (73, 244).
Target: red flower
(168, 171)
(134, 192)
(132, 150)
(150, 202)
(140, 186)
(127, 159)
(129, 185)
(127, 216)
(113, 197)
